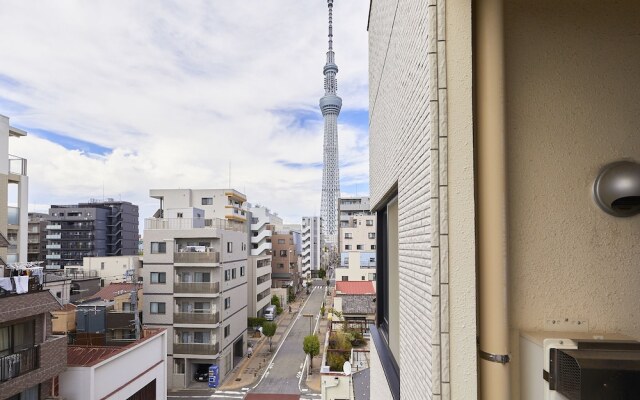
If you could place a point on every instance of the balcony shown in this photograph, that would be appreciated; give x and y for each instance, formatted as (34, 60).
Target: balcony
(192, 223)
(196, 318)
(197, 287)
(196, 348)
(17, 165)
(19, 363)
(55, 236)
(54, 227)
(53, 256)
(193, 257)
(13, 215)
(53, 246)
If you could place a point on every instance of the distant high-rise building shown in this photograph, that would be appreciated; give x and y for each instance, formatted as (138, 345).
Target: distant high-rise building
(310, 245)
(37, 241)
(264, 223)
(94, 229)
(330, 105)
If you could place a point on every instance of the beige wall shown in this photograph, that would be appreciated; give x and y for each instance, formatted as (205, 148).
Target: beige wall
(573, 89)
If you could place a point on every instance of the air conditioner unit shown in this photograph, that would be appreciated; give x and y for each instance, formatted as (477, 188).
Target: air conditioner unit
(578, 366)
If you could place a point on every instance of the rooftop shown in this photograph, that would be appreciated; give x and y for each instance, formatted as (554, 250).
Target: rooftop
(355, 287)
(87, 356)
(115, 289)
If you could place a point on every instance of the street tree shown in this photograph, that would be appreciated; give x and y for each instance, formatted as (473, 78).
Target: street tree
(311, 346)
(269, 329)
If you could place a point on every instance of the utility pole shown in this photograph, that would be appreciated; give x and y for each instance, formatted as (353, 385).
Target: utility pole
(134, 301)
(310, 316)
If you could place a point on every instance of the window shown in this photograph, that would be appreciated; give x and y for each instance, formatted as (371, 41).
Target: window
(386, 333)
(17, 337)
(234, 273)
(180, 215)
(372, 277)
(126, 307)
(178, 365)
(369, 222)
(363, 277)
(348, 235)
(101, 265)
(229, 247)
(372, 235)
(359, 247)
(347, 247)
(227, 275)
(157, 308)
(227, 303)
(59, 295)
(207, 201)
(281, 241)
(280, 265)
(158, 247)
(158, 277)
(227, 330)
(242, 271)
(345, 278)
(283, 253)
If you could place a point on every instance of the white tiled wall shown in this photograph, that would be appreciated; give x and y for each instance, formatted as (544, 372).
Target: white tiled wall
(408, 145)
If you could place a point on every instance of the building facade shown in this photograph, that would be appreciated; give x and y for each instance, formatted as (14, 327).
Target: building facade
(489, 125)
(31, 358)
(285, 270)
(195, 285)
(259, 285)
(37, 237)
(14, 196)
(113, 269)
(263, 225)
(311, 246)
(357, 249)
(94, 229)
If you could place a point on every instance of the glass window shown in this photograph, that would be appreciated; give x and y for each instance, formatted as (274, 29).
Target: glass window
(283, 253)
(233, 273)
(347, 247)
(372, 235)
(281, 241)
(158, 308)
(348, 235)
(158, 247)
(227, 275)
(178, 365)
(227, 303)
(359, 247)
(207, 201)
(369, 222)
(158, 277)
(227, 330)
(229, 247)
(202, 277)
(242, 271)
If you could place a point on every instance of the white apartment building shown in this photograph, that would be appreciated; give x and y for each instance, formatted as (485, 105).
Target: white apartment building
(195, 283)
(258, 284)
(14, 197)
(113, 269)
(264, 224)
(227, 204)
(358, 249)
(351, 206)
(311, 245)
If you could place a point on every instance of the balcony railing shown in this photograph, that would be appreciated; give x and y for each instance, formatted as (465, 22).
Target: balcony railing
(197, 287)
(195, 348)
(56, 226)
(17, 165)
(19, 363)
(53, 246)
(54, 236)
(192, 223)
(13, 215)
(196, 257)
(196, 318)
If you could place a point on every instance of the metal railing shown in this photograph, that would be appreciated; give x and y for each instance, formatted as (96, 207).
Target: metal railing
(196, 318)
(197, 287)
(19, 363)
(193, 223)
(196, 348)
(196, 257)
(17, 165)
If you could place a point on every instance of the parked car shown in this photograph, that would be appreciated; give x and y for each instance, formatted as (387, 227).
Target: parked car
(201, 375)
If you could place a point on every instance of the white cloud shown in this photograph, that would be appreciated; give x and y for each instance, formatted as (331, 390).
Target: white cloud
(180, 91)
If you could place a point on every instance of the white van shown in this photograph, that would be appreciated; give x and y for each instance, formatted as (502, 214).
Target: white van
(270, 313)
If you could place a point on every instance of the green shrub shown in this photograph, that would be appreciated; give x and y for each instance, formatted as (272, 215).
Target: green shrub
(253, 322)
(275, 300)
(279, 310)
(335, 360)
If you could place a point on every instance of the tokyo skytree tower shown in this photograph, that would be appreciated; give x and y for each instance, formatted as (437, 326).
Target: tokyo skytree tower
(330, 105)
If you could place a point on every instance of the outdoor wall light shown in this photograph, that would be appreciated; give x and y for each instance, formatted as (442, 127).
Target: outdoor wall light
(617, 189)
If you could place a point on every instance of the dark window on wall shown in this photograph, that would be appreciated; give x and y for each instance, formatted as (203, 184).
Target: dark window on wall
(157, 308)
(227, 330)
(158, 277)
(387, 327)
(207, 201)
(242, 271)
(283, 253)
(158, 247)
(229, 247)
(227, 303)
(281, 241)
(227, 275)
(234, 273)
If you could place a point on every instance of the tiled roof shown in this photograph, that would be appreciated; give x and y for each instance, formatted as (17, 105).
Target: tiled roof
(113, 290)
(355, 287)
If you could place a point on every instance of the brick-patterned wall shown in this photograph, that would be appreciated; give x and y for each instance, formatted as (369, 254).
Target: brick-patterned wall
(408, 146)
(28, 304)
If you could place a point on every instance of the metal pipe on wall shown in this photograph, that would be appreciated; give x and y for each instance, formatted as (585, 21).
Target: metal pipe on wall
(491, 199)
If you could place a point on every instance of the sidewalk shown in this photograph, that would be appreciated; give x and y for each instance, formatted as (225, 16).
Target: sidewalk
(251, 369)
(313, 381)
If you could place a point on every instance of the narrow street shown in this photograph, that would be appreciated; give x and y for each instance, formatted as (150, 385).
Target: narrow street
(285, 372)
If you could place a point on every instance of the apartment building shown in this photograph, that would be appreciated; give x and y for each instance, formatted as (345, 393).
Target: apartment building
(285, 270)
(493, 125)
(14, 192)
(37, 237)
(358, 249)
(311, 246)
(264, 223)
(94, 229)
(31, 358)
(195, 282)
(259, 285)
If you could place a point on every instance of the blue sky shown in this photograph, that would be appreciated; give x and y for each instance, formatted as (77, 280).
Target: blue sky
(119, 98)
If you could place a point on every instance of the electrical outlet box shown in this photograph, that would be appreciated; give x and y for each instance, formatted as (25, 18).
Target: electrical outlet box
(566, 325)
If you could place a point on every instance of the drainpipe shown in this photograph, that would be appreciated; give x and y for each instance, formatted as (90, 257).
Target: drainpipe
(491, 199)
